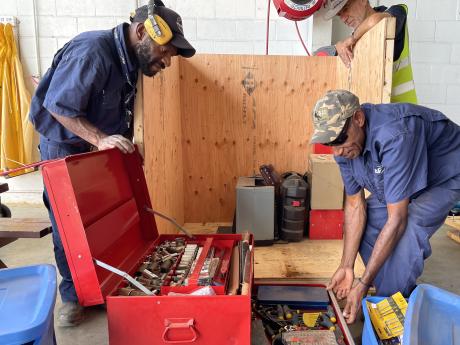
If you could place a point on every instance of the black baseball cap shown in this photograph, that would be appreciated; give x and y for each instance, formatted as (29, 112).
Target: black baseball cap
(174, 21)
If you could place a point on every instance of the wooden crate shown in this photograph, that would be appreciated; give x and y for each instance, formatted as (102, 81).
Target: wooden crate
(212, 118)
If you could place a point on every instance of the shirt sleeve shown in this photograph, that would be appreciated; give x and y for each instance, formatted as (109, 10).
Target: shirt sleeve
(72, 84)
(400, 14)
(405, 161)
(351, 186)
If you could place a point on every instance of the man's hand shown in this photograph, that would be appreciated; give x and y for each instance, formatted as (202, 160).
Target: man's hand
(345, 50)
(116, 140)
(341, 282)
(354, 299)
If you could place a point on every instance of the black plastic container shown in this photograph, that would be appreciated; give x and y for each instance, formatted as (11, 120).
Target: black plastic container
(293, 209)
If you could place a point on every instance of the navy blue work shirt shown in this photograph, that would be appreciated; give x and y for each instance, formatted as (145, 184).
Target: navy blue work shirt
(86, 79)
(407, 149)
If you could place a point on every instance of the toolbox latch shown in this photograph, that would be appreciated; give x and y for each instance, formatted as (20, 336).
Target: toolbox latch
(179, 325)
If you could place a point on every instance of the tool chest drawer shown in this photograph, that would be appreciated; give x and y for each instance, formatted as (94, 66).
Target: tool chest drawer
(296, 312)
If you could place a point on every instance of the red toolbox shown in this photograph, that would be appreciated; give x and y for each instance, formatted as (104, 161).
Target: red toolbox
(99, 200)
(326, 224)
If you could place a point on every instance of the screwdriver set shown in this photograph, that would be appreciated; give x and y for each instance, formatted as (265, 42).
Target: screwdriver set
(284, 325)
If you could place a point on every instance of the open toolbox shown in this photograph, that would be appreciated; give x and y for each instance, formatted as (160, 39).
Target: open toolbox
(147, 280)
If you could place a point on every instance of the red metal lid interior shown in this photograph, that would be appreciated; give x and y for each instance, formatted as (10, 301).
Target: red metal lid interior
(110, 194)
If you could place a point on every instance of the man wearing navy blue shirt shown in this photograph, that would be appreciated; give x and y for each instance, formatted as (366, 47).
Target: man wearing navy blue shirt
(408, 157)
(86, 100)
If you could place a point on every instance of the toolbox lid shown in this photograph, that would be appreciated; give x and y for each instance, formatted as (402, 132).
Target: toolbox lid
(99, 200)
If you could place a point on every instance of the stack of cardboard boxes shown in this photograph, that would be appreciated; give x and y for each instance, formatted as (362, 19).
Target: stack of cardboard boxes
(327, 192)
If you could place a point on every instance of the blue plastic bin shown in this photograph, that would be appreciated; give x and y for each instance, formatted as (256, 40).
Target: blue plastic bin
(369, 337)
(27, 298)
(433, 317)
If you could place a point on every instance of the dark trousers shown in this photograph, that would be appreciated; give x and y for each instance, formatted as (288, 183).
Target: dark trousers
(427, 214)
(52, 150)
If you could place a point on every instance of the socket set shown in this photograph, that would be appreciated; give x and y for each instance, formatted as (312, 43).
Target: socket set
(181, 266)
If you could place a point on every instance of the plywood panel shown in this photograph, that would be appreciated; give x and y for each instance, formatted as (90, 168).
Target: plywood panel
(163, 145)
(370, 74)
(239, 112)
(217, 131)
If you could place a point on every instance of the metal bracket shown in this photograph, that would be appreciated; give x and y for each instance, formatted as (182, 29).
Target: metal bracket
(124, 275)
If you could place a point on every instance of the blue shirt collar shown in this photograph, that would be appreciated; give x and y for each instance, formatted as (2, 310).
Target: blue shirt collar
(368, 140)
(131, 63)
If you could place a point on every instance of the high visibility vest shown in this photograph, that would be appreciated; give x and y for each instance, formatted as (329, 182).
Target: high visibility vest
(403, 87)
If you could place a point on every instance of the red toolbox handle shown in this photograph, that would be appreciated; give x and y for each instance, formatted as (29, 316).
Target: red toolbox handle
(171, 324)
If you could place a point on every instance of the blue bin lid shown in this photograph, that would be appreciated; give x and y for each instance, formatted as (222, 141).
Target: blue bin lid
(27, 298)
(432, 317)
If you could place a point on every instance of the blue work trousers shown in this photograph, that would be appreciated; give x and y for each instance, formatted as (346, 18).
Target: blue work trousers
(52, 150)
(427, 214)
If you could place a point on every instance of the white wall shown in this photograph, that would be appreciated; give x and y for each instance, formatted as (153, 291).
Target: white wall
(238, 26)
(213, 26)
(434, 33)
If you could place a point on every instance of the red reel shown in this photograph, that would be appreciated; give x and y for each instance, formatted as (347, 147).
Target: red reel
(297, 9)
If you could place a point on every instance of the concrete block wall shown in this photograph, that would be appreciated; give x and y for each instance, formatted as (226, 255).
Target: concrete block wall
(213, 26)
(434, 32)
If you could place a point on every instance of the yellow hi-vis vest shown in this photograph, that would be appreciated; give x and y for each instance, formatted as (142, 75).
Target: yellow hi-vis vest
(403, 87)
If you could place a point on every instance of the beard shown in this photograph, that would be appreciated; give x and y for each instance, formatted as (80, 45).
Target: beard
(145, 59)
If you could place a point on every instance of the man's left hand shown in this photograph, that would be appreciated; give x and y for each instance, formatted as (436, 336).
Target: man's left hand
(354, 299)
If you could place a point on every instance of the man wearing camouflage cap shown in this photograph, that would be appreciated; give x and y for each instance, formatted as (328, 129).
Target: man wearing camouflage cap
(408, 157)
(86, 99)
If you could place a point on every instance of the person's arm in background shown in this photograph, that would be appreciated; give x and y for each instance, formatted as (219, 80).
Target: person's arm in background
(355, 222)
(84, 129)
(345, 47)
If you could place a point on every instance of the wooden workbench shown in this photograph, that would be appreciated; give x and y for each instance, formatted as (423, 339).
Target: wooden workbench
(13, 228)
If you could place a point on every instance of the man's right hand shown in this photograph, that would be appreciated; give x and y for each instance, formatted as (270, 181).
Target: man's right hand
(345, 50)
(341, 282)
(116, 140)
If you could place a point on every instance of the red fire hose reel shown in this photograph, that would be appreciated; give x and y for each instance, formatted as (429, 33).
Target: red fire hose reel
(297, 9)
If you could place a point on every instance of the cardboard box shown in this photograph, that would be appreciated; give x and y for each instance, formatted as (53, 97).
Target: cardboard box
(326, 183)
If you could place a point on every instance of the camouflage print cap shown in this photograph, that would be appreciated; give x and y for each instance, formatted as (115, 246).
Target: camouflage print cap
(330, 114)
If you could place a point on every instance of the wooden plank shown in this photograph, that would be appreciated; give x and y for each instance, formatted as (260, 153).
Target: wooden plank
(454, 235)
(163, 145)
(371, 65)
(453, 222)
(240, 112)
(139, 117)
(24, 227)
(308, 259)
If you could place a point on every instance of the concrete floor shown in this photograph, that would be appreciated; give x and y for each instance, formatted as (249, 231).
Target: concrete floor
(441, 269)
